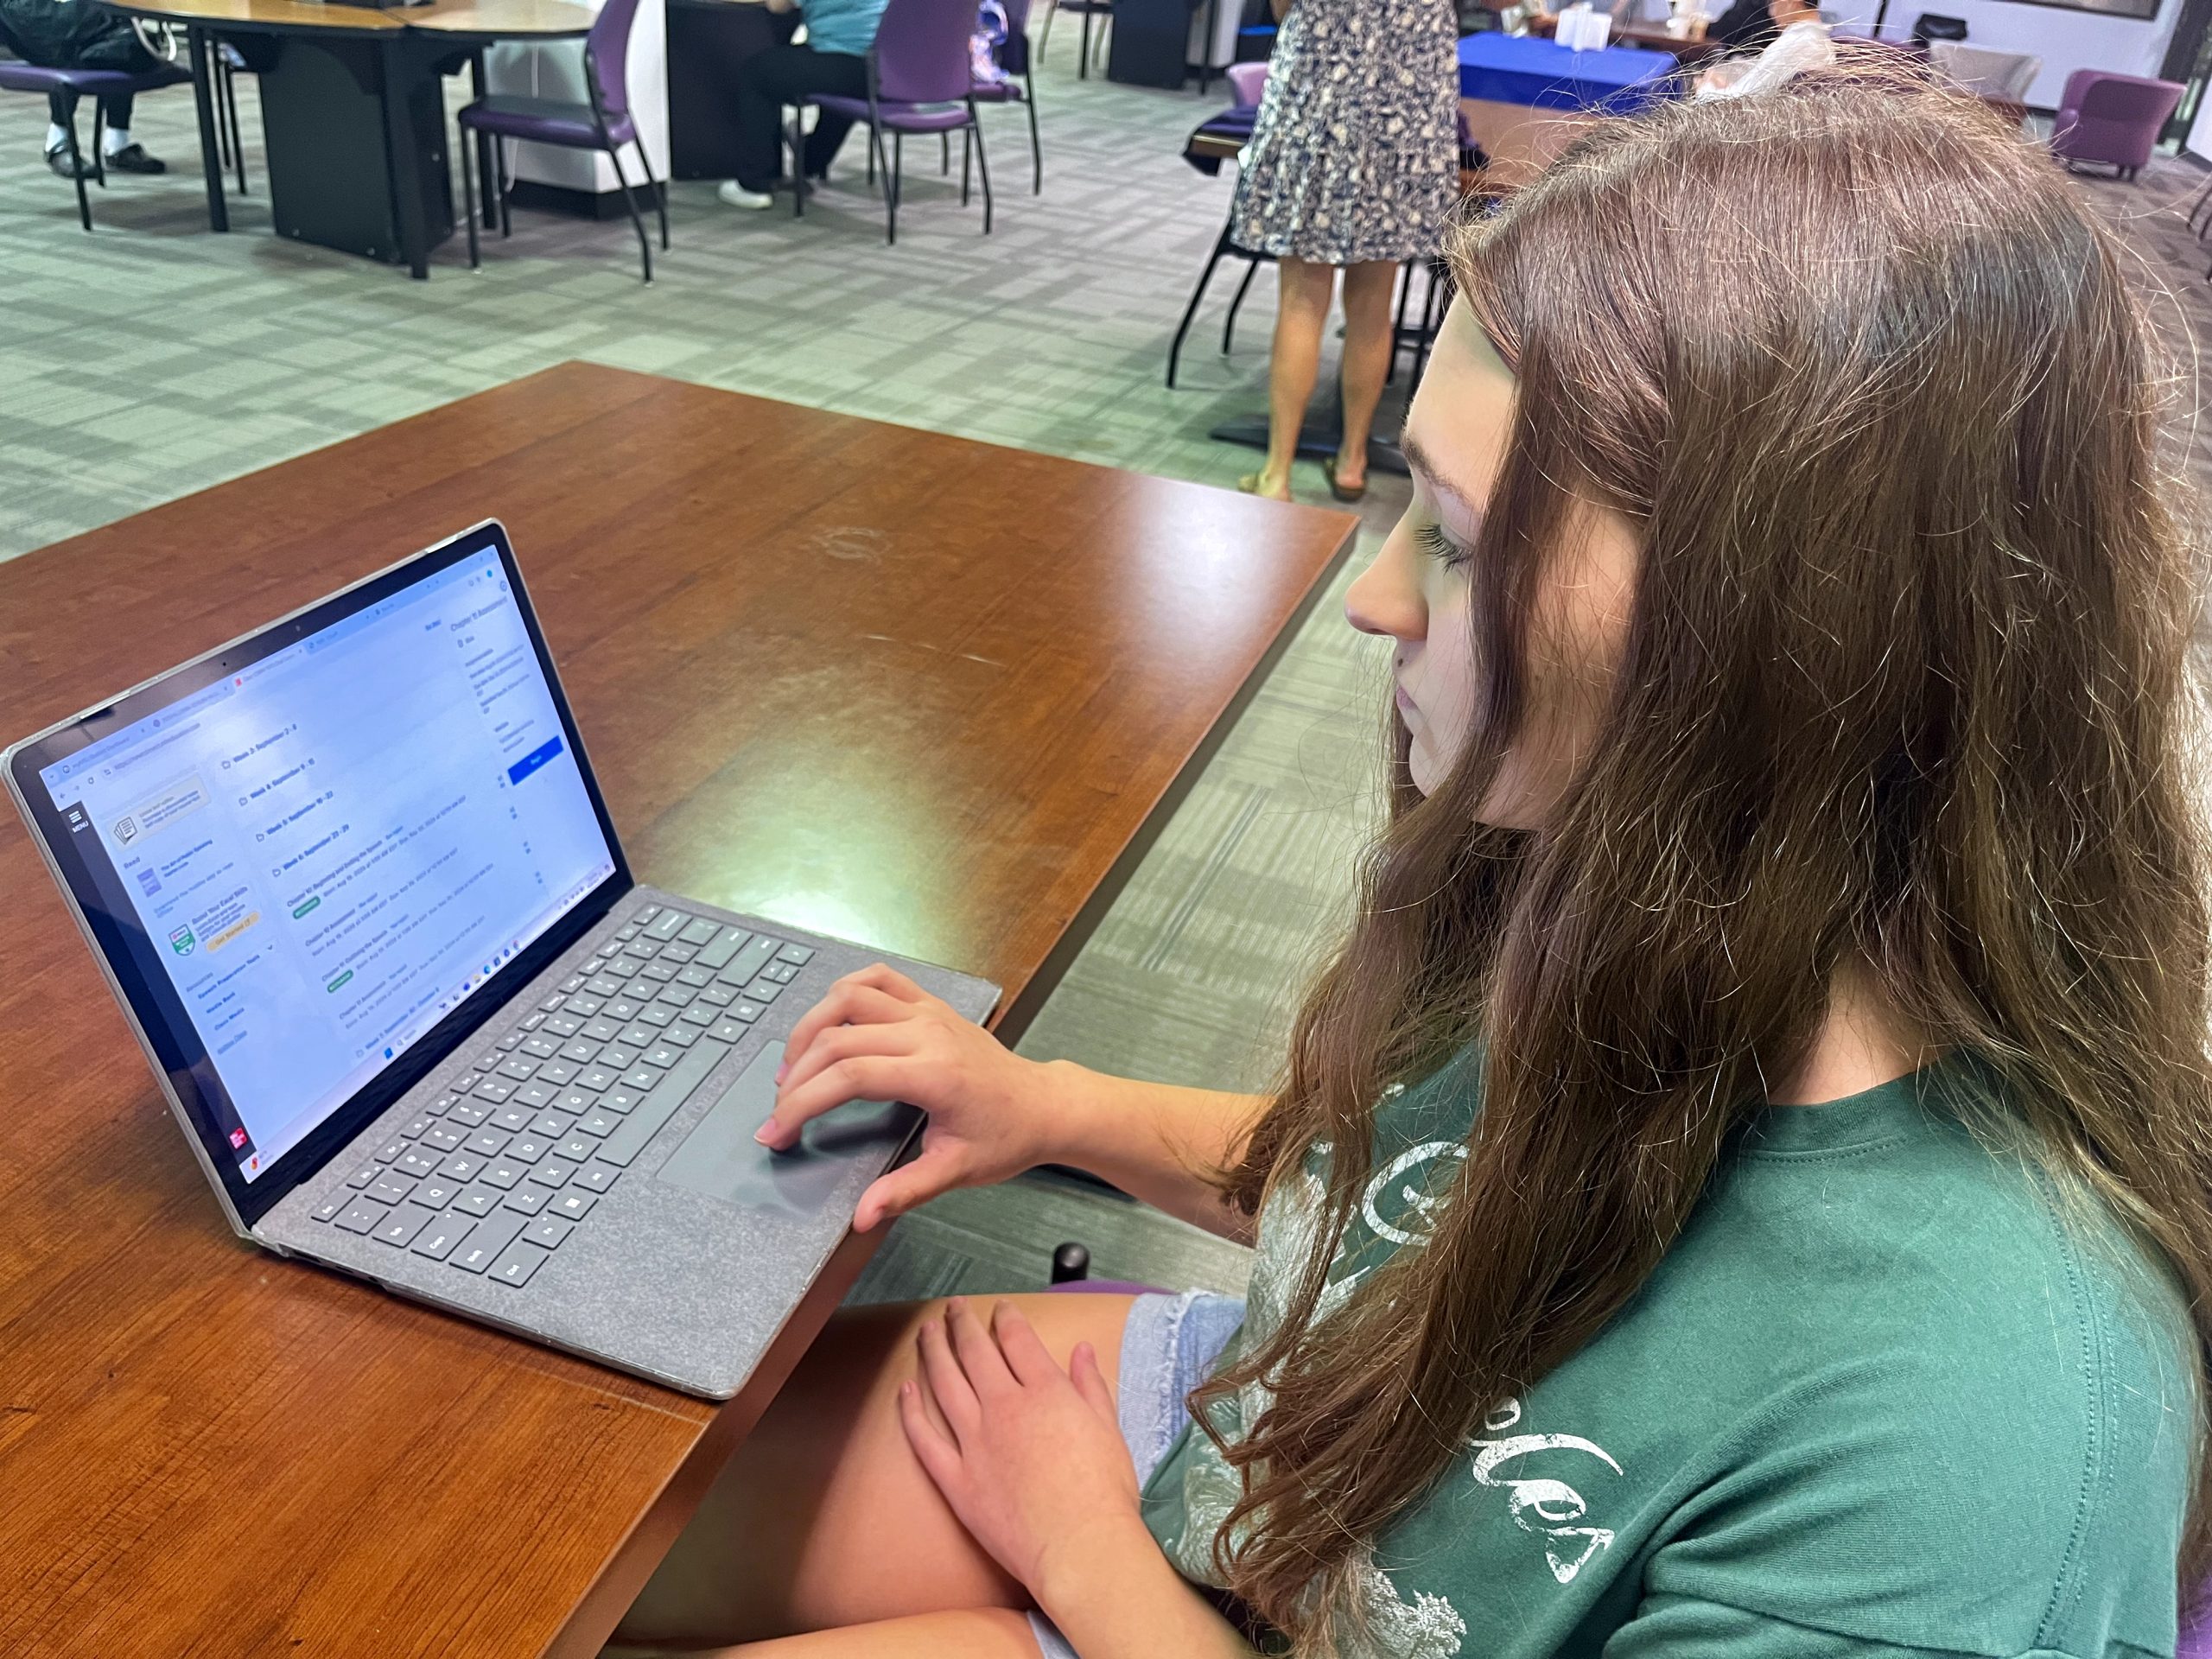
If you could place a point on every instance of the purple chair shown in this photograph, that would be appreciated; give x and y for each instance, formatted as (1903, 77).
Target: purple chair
(1014, 58)
(2112, 119)
(918, 80)
(94, 83)
(602, 124)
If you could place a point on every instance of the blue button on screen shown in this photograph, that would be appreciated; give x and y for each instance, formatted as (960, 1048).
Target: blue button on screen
(531, 762)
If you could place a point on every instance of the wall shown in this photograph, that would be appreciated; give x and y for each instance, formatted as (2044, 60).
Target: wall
(558, 70)
(2065, 41)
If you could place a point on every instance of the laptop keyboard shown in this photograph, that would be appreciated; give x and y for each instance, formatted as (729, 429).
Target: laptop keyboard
(529, 1133)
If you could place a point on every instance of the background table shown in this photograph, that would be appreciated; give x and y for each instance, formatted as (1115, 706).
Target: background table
(1525, 99)
(872, 681)
(353, 108)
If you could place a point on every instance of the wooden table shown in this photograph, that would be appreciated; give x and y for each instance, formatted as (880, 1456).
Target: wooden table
(891, 685)
(353, 107)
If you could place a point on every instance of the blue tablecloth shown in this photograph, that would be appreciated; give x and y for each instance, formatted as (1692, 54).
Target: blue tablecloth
(1523, 69)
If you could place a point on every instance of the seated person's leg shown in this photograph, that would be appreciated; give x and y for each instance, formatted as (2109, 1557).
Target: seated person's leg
(846, 75)
(123, 153)
(764, 81)
(824, 1518)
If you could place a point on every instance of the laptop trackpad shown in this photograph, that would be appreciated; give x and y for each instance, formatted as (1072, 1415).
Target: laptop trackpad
(720, 1159)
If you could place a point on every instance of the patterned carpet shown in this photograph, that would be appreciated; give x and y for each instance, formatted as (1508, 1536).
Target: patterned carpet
(152, 357)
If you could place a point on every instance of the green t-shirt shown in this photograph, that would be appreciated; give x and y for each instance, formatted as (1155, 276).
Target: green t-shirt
(1886, 1395)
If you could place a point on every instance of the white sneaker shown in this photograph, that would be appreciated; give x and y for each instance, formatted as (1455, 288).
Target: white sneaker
(738, 196)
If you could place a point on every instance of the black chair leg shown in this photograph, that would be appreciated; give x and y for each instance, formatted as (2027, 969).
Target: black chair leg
(1228, 327)
(99, 142)
(499, 173)
(1221, 246)
(1036, 144)
(660, 194)
(1083, 49)
(469, 163)
(893, 176)
(964, 147)
(222, 128)
(983, 164)
(231, 108)
(637, 220)
(77, 172)
(944, 155)
(1044, 34)
(798, 163)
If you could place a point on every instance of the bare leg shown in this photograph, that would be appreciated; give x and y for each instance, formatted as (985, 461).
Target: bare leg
(978, 1633)
(1368, 287)
(1301, 310)
(823, 1519)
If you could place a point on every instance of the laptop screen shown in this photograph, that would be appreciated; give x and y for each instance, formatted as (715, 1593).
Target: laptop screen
(332, 847)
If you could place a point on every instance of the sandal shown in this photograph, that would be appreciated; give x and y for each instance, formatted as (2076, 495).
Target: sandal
(1329, 471)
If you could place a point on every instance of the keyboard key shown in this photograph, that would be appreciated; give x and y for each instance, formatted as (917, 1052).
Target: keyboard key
(602, 1030)
(535, 1094)
(551, 1125)
(603, 985)
(559, 1073)
(330, 1209)
(389, 1150)
(509, 1043)
(554, 1172)
(620, 1057)
(667, 925)
(763, 991)
(748, 1012)
(576, 1148)
(563, 1025)
(528, 1148)
(721, 996)
(400, 1227)
(494, 1090)
(678, 953)
(677, 996)
(641, 1077)
(527, 1199)
(597, 1079)
(485, 1241)
(724, 946)
(444, 1137)
(359, 1218)
(639, 1035)
(695, 977)
(548, 1231)
(798, 955)
(626, 1142)
(477, 1200)
(662, 1055)
(437, 1192)
(515, 1114)
(619, 1100)
(442, 1105)
(538, 1046)
(642, 950)
(420, 1160)
(598, 1123)
(660, 972)
(629, 932)
(437, 1240)
(682, 1034)
(503, 1173)
(640, 989)
(574, 1204)
(518, 1264)
(573, 982)
(597, 1178)
(469, 1113)
(486, 1060)
(581, 1052)
(414, 1127)
(517, 1068)
(462, 1166)
(745, 967)
(781, 972)
(488, 1143)
(699, 930)
(584, 1006)
(552, 1002)
(622, 1007)
(532, 1022)
(463, 1085)
(576, 1100)
(644, 915)
(363, 1175)
(390, 1189)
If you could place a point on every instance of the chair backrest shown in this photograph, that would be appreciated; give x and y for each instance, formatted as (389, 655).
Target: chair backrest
(1934, 26)
(2137, 99)
(921, 50)
(606, 55)
(1246, 81)
(1978, 69)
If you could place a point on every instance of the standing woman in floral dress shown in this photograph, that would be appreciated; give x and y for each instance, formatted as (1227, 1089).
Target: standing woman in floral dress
(1353, 165)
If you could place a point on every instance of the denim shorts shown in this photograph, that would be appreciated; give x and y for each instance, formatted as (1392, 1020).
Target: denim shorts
(1168, 1347)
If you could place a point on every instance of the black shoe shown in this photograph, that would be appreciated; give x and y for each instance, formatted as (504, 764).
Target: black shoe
(59, 160)
(133, 158)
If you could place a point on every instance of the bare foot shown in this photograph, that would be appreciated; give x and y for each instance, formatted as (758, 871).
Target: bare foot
(1274, 489)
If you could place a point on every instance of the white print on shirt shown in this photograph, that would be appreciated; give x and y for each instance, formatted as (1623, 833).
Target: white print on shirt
(1547, 1508)
(1420, 1203)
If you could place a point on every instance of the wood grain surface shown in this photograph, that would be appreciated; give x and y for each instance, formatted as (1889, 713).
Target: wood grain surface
(883, 683)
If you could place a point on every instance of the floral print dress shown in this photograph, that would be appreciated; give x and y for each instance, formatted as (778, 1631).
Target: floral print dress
(1355, 154)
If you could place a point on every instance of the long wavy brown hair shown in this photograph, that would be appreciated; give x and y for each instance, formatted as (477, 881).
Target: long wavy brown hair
(1903, 693)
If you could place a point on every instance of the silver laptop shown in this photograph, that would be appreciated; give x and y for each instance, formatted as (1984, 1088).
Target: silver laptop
(353, 883)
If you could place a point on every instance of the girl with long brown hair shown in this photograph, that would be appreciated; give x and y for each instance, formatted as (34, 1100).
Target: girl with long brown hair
(1743, 1187)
